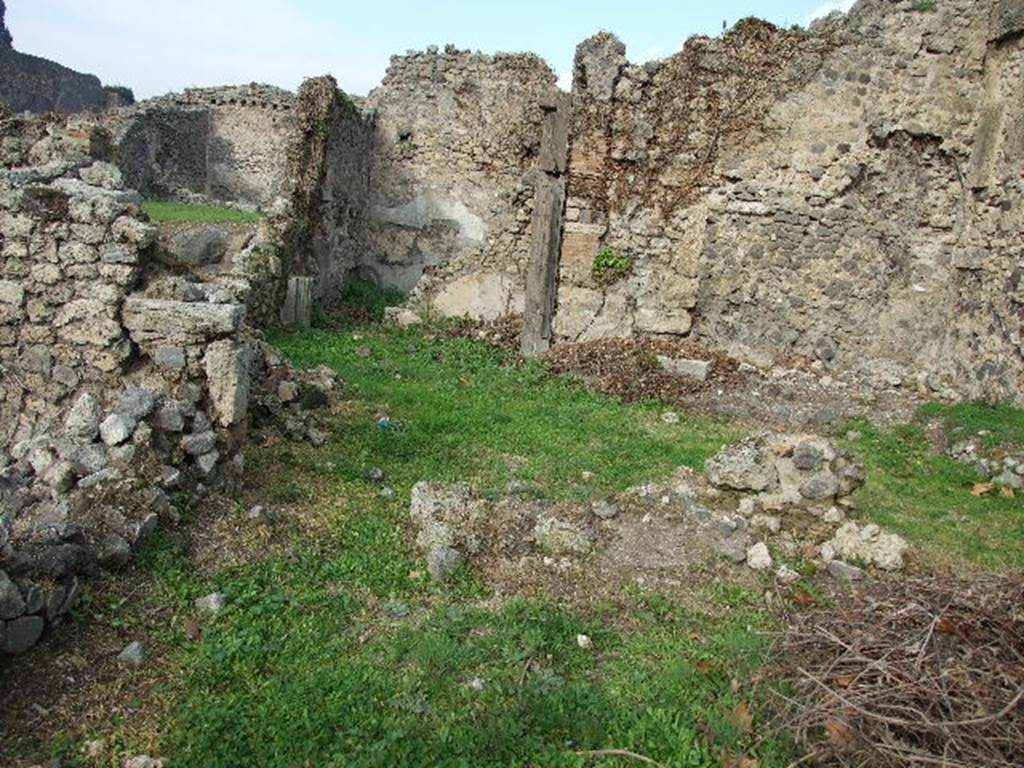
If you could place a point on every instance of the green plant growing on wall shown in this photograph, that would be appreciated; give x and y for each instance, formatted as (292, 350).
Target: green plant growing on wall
(926, 6)
(610, 266)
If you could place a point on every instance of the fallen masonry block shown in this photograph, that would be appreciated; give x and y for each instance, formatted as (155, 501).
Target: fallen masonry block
(691, 369)
(181, 322)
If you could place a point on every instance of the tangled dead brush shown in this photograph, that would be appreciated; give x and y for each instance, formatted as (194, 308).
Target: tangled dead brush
(917, 672)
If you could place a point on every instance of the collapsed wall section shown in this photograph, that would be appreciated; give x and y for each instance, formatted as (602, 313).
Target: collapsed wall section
(111, 398)
(321, 225)
(450, 207)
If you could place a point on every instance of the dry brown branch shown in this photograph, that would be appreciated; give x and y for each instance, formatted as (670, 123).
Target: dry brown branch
(912, 673)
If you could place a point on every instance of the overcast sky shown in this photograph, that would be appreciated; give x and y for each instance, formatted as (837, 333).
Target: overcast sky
(157, 46)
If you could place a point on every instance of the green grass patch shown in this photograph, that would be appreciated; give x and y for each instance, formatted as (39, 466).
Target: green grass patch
(340, 655)
(174, 213)
(305, 677)
(458, 413)
(1003, 424)
(928, 497)
(370, 298)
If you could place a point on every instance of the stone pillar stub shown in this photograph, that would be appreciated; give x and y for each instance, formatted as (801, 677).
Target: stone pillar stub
(298, 303)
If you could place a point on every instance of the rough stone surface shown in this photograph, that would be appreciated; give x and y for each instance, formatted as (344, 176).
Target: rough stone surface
(844, 571)
(133, 655)
(179, 322)
(116, 429)
(870, 545)
(22, 634)
(691, 369)
(743, 467)
(741, 176)
(558, 536)
(759, 558)
(447, 515)
(442, 561)
(196, 247)
(12, 605)
(212, 603)
(227, 371)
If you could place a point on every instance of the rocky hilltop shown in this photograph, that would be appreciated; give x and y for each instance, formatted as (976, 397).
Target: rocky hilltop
(33, 84)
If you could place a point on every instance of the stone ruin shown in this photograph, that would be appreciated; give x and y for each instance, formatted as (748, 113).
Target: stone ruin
(850, 195)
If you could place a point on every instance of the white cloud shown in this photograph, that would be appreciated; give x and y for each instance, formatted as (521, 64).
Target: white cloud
(826, 8)
(565, 81)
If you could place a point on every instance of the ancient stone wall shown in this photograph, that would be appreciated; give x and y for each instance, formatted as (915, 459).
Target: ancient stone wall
(645, 145)
(851, 195)
(220, 144)
(449, 212)
(119, 383)
(328, 172)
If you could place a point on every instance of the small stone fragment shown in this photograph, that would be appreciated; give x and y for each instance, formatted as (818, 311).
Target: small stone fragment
(844, 571)
(134, 654)
(12, 604)
(260, 515)
(22, 634)
(605, 510)
(116, 429)
(287, 391)
(733, 549)
(213, 603)
(562, 537)
(442, 561)
(759, 558)
(786, 575)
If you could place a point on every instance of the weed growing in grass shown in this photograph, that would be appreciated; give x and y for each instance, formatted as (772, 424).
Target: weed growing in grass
(174, 213)
(359, 303)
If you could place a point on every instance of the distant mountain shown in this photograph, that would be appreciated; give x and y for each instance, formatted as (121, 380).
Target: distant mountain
(33, 84)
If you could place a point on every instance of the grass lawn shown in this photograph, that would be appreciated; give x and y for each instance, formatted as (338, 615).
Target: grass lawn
(458, 414)
(334, 650)
(341, 654)
(173, 213)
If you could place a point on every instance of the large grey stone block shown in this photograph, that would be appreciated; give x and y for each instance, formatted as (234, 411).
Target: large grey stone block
(227, 372)
(181, 322)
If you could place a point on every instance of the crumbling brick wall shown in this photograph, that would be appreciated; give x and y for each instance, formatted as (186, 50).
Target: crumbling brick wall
(110, 398)
(449, 212)
(850, 195)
